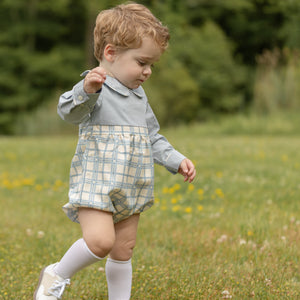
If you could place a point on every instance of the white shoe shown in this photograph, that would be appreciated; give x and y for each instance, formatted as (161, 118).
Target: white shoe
(51, 286)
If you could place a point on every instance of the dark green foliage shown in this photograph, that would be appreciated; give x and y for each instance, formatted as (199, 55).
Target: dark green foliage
(208, 57)
(42, 50)
(173, 93)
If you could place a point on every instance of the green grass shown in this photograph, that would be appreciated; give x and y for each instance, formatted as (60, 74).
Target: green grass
(236, 229)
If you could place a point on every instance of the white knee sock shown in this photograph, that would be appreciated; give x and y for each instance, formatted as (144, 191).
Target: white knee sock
(119, 278)
(76, 258)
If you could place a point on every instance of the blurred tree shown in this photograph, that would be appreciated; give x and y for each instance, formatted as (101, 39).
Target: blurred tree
(172, 92)
(251, 24)
(41, 50)
(208, 56)
(290, 31)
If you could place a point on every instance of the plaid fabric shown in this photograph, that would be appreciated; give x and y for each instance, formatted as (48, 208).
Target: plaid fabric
(112, 170)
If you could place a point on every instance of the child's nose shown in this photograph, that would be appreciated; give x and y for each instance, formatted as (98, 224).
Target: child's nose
(147, 70)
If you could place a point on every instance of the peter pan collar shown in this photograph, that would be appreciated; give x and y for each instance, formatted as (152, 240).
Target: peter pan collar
(118, 87)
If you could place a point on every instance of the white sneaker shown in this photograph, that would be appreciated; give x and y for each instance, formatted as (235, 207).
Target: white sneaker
(51, 286)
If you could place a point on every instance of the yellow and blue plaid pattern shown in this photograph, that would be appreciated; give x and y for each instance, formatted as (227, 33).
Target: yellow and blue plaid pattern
(112, 170)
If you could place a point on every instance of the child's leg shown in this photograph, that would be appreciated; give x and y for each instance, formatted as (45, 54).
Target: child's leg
(118, 266)
(76, 258)
(98, 239)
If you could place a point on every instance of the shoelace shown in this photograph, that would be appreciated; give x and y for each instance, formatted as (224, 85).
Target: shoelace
(58, 287)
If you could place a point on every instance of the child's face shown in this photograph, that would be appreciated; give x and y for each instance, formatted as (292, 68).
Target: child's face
(132, 67)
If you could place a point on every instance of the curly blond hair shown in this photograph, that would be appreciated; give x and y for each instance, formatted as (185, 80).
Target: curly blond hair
(125, 26)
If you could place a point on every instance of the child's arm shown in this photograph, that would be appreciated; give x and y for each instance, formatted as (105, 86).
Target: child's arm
(164, 153)
(76, 105)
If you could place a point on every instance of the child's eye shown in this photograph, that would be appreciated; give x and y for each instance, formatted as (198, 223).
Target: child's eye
(141, 63)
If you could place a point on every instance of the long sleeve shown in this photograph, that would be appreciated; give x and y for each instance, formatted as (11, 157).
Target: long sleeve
(163, 152)
(76, 105)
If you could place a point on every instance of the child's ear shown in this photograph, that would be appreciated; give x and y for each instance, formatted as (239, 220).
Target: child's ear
(109, 52)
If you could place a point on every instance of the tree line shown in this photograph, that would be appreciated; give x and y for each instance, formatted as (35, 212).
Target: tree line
(211, 66)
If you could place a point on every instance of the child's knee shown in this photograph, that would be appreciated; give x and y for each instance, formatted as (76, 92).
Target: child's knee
(99, 245)
(122, 250)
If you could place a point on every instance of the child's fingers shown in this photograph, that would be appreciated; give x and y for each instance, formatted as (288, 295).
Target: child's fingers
(192, 171)
(188, 170)
(97, 75)
(94, 80)
(192, 175)
(100, 70)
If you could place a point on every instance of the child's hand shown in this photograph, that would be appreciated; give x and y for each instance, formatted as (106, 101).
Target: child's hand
(93, 80)
(187, 169)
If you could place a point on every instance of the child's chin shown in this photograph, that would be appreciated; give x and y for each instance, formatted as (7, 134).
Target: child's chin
(135, 86)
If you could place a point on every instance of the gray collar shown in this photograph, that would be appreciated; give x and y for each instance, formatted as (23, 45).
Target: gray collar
(118, 87)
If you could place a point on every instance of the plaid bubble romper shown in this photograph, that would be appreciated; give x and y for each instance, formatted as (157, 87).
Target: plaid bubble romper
(113, 166)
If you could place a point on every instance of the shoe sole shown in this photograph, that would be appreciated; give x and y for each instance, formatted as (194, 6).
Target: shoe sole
(40, 280)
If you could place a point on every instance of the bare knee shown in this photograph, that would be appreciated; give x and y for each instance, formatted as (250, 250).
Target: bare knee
(123, 250)
(98, 230)
(99, 245)
(126, 231)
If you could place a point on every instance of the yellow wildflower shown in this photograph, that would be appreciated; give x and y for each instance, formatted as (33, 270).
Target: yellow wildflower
(171, 190)
(28, 181)
(165, 190)
(174, 200)
(200, 207)
(176, 208)
(6, 183)
(188, 210)
(191, 187)
(16, 183)
(176, 186)
(219, 193)
(200, 192)
(58, 183)
(250, 233)
(38, 187)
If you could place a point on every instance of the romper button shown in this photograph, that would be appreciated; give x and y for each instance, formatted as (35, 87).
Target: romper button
(80, 98)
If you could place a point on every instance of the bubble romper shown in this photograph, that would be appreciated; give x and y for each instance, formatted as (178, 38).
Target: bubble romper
(113, 166)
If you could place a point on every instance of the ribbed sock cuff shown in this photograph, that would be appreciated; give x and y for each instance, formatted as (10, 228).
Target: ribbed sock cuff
(119, 261)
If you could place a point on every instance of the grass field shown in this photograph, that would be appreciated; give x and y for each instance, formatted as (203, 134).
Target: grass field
(233, 233)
